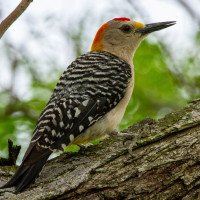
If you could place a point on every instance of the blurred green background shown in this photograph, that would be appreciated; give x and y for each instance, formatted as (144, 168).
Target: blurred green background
(32, 58)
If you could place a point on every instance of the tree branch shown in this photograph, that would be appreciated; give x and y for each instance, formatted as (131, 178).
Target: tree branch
(166, 165)
(6, 23)
(13, 154)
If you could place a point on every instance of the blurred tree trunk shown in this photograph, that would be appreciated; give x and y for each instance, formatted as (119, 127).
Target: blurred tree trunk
(166, 165)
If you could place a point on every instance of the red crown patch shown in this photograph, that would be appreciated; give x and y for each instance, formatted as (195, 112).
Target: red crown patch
(122, 19)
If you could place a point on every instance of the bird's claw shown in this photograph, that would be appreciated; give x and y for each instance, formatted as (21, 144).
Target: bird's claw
(131, 141)
(127, 138)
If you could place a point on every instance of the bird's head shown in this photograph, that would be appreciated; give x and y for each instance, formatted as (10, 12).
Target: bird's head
(121, 36)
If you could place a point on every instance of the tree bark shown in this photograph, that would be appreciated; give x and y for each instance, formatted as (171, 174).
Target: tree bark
(165, 165)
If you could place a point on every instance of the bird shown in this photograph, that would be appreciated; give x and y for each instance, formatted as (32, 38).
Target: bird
(90, 97)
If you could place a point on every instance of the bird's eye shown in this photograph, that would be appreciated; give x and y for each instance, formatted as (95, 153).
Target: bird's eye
(125, 28)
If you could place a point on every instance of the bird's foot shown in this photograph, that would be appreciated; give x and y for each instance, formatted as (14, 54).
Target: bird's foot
(128, 139)
(134, 133)
(131, 141)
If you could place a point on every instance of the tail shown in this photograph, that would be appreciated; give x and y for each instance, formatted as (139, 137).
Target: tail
(25, 175)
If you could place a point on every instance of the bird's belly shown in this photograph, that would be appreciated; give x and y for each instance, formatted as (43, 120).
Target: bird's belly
(107, 123)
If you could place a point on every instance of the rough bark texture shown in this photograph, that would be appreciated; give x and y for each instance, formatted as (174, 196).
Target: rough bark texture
(166, 165)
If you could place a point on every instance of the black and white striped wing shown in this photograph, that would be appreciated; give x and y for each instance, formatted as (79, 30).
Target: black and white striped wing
(91, 86)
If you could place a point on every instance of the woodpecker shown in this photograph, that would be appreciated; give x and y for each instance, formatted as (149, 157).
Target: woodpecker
(90, 98)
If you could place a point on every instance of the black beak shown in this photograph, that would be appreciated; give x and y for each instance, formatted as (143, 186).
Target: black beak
(149, 28)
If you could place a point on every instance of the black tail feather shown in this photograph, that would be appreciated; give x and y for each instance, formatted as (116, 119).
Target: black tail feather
(25, 175)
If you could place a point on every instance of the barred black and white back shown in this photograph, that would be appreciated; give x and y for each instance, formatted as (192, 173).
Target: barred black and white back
(90, 88)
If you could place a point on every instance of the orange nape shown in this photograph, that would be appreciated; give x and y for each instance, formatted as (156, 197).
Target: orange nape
(97, 44)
